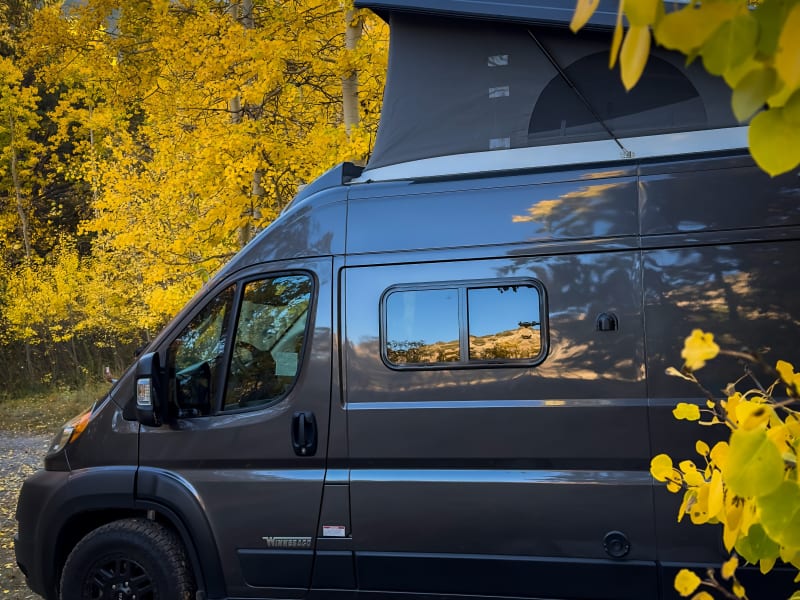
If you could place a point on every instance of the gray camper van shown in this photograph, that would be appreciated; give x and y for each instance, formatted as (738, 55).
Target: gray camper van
(442, 375)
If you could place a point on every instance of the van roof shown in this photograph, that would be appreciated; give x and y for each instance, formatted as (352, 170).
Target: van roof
(551, 12)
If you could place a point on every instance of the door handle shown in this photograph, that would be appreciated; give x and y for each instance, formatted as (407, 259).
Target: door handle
(304, 433)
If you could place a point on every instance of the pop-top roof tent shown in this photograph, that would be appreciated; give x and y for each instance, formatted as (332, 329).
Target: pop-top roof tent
(467, 77)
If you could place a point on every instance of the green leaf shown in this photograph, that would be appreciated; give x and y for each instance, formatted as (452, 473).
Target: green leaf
(757, 545)
(732, 44)
(780, 514)
(752, 92)
(754, 467)
(773, 141)
(770, 17)
(689, 28)
(786, 56)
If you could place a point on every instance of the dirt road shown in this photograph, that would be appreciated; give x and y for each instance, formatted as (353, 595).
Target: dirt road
(20, 455)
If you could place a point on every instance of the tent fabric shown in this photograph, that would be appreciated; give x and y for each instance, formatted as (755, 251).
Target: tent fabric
(457, 86)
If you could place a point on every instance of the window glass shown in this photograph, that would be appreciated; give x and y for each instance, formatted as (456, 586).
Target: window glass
(268, 342)
(196, 354)
(504, 323)
(422, 327)
(497, 323)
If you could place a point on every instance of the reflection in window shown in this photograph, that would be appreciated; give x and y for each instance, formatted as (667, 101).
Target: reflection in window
(464, 324)
(422, 327)
(269, 340)
(504, 323)
(195, 355)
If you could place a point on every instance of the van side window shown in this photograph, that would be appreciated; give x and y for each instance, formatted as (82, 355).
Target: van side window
(197, 353)
(467, 324)
(423, 327)
(268, 341)
(504, 323)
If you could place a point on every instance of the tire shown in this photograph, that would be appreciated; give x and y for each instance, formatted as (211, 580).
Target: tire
(126, 560)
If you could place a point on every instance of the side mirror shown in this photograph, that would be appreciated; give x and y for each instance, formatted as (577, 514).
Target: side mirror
(150, 398)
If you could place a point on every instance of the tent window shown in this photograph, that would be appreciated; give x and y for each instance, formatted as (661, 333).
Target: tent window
(663, 101)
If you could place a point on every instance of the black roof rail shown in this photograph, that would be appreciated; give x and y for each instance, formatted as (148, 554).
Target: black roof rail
(551, 12)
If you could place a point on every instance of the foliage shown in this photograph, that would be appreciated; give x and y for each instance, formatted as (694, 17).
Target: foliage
(753, 45)
(749, 483)
(151, 141)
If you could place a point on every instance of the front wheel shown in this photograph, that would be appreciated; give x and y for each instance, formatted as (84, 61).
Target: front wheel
(130, 559)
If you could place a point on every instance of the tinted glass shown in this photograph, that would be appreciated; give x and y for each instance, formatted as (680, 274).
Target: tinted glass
(422, 326)
(504, 323)
(268, 342)
(196, 354)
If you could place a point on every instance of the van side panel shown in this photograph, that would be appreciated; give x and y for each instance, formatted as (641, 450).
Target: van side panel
(503, 480)
(721, 247)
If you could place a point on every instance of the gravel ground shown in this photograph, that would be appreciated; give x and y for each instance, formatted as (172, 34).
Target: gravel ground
(20, 455)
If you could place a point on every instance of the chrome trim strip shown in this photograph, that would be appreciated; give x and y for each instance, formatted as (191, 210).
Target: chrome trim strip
(560, 155)
(495, 404)
(537, 476)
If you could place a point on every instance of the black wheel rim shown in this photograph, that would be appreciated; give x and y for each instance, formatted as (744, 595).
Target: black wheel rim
(118, 578)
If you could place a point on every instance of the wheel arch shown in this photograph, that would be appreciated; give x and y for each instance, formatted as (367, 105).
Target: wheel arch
(175, 501)
(96, 497)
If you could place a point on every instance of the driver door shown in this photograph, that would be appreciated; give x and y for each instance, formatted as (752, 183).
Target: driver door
(249, 391)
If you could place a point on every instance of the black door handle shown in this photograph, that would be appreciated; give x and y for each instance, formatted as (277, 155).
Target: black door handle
(304, 433)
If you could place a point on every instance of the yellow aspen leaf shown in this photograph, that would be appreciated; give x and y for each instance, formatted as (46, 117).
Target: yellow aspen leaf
(702, 448)
(583, 12)
(751, 92)
(765, 564)
(752, 415)
(686, 582)
(719, 455)
(791, 112)
(731, 405)
(729, 567)
(788, 50)
(773, 141)
(661, 467)
(673, 486)
(634, 53)
(754, 465)
(616, 41)
(738, 590)
(716, 497)
(781, 436)
(688, 499)
(699, 510)
(686, 412)
(694, 479)
(698, 348)
(785, 369)
(642, 12)
(731, 524)
(702, 596)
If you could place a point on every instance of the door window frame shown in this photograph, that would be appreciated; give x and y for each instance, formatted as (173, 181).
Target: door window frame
(462, 287)
(230, 328)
